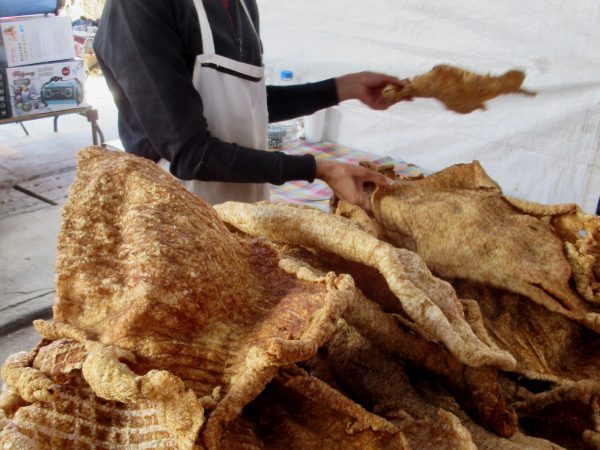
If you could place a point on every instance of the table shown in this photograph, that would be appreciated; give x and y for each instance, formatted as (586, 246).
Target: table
(87, 111)
(317, 194)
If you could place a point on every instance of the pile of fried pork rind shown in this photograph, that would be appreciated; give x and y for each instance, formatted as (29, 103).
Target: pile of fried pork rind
(455, 318)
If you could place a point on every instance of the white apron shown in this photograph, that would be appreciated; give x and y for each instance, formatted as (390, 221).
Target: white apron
(236, 111)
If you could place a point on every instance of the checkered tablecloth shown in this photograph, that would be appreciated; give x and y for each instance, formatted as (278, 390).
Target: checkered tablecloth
(318, 193)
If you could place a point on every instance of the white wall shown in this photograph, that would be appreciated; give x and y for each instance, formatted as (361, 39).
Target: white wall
(543, 148)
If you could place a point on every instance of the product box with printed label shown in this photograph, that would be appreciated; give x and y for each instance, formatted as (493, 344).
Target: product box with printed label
(43, 88)
(33, 40)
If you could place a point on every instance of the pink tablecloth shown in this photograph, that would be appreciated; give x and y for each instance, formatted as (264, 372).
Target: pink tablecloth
(318, 193)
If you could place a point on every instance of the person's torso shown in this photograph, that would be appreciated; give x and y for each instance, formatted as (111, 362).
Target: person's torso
(232, 92)
(235, 35)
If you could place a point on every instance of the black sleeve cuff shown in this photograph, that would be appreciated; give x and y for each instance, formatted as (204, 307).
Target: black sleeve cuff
(299, 167)
(287, 102)
(326, 91)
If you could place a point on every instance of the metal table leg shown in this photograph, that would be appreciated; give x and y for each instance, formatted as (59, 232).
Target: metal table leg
(24, 129)
(92, 117)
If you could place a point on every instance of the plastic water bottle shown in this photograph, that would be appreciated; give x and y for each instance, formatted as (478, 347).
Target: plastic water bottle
(294, 127)
(287, 131)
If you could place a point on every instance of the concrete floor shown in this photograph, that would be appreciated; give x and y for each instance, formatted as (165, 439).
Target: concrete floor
(35, 173)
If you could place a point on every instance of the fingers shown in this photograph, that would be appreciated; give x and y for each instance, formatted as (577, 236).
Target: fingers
(382, 103)
(347, 181)
(365, 203)
(376, 178)
(361, 198)
(355, 194)
(400, 84)
(378, 79)
(379, 101)
(375, 100)
(368, 86)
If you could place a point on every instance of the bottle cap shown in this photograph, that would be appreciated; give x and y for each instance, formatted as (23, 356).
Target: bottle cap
(287, 75)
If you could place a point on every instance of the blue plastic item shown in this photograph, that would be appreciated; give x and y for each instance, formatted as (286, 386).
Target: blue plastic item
(11, 8)
(286, 75)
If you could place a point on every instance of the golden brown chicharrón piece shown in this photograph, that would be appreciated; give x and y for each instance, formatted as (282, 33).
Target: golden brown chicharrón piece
(458, 89)
(463, 227)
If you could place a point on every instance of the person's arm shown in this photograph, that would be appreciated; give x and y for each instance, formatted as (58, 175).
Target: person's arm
(286, 102)
(143, 46)
(346, 180)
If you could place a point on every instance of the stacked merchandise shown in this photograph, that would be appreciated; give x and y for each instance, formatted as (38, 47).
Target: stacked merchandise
(40, 73)
(84, 31)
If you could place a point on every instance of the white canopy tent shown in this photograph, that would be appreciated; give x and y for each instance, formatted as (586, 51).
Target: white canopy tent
(542, 148)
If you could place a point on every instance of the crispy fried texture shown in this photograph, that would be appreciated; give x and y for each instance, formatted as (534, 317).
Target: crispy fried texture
(375, 380)
(60, 357)
(80, 419)
(580, 233)
(146, 272)
(25, 381)
(299, 411)
(482, 237)
(476, 387)
(173, 331)
(547, 346)
(379, 381)
(434, 396)
(460, 90)
(53, 330)
(488, 245)
(432, 304)
(428, 301)
(176, 408)
(9, 403)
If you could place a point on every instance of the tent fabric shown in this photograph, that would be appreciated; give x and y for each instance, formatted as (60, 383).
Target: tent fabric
(542, 148)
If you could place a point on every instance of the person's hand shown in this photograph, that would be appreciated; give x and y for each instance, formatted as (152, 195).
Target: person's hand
(367, 87)
(347, 181)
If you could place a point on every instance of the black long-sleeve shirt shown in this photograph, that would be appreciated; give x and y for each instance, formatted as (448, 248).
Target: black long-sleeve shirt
(147, 50)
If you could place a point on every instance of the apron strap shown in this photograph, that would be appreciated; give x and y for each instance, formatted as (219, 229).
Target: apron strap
(249, 17)
(208, 44)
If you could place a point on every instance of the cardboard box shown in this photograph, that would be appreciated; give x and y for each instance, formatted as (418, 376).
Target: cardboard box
(4, 97)
(44, 88)
(33, 40)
